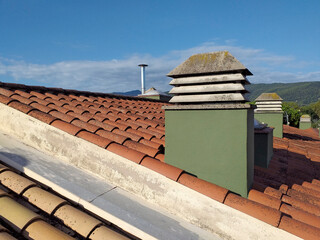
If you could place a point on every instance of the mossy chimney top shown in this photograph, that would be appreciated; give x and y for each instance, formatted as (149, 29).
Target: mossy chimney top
(209, 63)
(269, 97)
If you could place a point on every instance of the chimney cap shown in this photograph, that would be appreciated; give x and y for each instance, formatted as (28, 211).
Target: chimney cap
(209, 63)
(143, 65)
(269, 97)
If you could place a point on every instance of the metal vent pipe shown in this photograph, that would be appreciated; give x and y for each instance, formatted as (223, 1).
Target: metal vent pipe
(142, 66)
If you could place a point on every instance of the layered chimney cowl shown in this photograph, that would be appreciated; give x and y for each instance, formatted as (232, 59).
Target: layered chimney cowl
(209, 129)
(269, 110)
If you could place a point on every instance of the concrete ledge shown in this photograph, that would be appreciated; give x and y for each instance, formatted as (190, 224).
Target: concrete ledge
(210, 106)
(152, 187)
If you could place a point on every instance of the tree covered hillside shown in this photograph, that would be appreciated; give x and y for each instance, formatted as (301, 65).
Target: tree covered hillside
(303, 93)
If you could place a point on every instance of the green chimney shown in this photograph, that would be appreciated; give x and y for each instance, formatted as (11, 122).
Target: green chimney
(210, 130)
(269, 110)
(305, 122)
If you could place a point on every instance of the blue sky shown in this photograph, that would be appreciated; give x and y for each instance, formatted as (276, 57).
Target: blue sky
(97, 45)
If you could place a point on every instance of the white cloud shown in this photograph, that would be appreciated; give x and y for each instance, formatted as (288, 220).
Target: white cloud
(124, 74)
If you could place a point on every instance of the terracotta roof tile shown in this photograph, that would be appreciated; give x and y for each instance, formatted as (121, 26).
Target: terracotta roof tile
(157, 129)
(3, 168)
(283, 188)
(141, 124)
(254, 209)
(139, 133)
(22, 99)
(104, 233)
(44, 117)
(6, 236)
(20, 106)
(160, 156)
(23, 94)
(84, 118)
(209, 189)
(159, 141)
(125, 152)
(152, 144)
(132, 136)
(7, 92)
(53, 96)
(42, 102)
(56, 102)
(6, 100)
(264, 199)
(299, 204)
(16, 215)
(42, 199)
(59, 109)
(105, 126)
(299, 229)
(141, 148)
(273, 192)
(120, 126)
(304, 197)
(93, 138)
(316, 182)
(67, 127)
(42, 230)
(76, 220)
(301, 215)
(41, 107)
(162, 168)
(15, 182)
(112, 136)
(312, 186)
(87, 126)
(39, 95)
(306, 190)
(62, 116)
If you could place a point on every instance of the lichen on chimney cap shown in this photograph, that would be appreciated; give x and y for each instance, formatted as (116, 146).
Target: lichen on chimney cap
(269, 97)
(209, 63)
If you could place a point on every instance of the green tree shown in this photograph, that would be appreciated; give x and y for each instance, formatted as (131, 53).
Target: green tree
(293, 111)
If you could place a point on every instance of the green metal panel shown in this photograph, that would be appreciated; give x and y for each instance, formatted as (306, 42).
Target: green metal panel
(304, 125)
(215, 145)
(274, 120)
(263, 148)
(157, 97)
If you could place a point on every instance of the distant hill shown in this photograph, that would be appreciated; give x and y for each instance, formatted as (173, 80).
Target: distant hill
(130, 93)
(303, 93)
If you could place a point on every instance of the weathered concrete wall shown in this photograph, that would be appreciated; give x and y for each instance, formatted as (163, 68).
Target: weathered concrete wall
(175, 198)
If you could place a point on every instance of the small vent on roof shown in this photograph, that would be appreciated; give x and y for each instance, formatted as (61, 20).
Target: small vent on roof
(209, 78)
(143, 78)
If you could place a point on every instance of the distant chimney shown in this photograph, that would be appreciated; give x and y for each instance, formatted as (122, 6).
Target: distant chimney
(269, 110)
(153, 93)
(210, 130)
(305, 122)
(143, 78)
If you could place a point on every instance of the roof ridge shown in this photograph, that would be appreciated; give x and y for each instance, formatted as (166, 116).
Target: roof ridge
(73, 91)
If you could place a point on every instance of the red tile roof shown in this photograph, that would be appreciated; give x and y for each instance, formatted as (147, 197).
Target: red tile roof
(286, 195)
